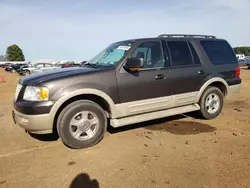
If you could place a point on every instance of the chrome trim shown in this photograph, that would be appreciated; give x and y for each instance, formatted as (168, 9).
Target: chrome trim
(153, 115)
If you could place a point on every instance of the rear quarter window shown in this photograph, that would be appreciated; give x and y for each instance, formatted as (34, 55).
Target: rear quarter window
(219, 52)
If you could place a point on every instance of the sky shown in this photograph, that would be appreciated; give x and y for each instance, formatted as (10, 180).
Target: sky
(79, 29)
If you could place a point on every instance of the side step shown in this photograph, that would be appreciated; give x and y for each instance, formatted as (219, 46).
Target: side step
(153, 115)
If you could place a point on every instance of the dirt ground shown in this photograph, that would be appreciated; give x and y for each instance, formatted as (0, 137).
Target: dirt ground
(173, 152)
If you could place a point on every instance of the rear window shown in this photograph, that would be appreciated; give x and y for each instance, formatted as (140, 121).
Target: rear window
(219, 52)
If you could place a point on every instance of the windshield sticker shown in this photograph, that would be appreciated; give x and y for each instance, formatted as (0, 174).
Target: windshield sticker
(123, 47)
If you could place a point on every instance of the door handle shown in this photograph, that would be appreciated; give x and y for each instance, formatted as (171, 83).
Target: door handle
(160, 77)
(201, 72)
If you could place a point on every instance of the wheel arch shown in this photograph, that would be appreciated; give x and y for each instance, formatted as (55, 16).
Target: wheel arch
(94, 95)
(216, 82)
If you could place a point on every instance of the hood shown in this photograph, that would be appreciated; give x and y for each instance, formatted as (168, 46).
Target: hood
(42, 77)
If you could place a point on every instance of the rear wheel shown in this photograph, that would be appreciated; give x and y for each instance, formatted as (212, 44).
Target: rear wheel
(211, 103)
(81, 124)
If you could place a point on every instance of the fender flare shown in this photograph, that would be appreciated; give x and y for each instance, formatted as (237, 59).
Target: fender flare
(210, 81)
(72, 94)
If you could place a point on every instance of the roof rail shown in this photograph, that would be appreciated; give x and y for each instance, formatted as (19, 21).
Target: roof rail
(186, 35)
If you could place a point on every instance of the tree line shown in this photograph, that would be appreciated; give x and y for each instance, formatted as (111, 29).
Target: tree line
(242, 50)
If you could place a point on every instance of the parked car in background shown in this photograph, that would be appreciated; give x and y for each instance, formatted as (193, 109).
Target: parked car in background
(8, 68)
(39, 67)
(5, 65)
(240, 56)
(242, 62)
(21, 70)
(248, 64)
(16, 67)
(71, 64)
(2, 64)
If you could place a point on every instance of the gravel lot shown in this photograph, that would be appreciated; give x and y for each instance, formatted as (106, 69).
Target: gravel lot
(173, 152)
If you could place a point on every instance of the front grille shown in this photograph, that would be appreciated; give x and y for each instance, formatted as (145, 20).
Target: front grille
(18, 89)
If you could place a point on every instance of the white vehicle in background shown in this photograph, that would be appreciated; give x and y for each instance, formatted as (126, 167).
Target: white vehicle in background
(240, 56)
(39, 67)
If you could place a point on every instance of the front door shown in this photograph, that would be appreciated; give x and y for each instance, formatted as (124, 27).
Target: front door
(145, 90)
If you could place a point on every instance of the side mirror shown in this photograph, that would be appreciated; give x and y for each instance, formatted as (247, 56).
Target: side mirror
(134, 64)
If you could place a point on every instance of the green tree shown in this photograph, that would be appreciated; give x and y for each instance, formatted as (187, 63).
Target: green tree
(242, 50)
(14, 53)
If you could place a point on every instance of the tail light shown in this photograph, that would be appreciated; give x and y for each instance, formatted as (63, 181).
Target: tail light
(237, 72)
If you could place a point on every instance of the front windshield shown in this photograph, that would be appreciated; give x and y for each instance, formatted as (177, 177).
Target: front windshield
(111, 55)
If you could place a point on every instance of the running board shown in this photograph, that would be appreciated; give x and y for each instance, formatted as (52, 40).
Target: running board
(153, 115)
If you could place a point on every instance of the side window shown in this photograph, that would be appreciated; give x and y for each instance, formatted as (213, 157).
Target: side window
(151, 53)
(180, 53)
(39, 65)
(196, 58)
(48, 65)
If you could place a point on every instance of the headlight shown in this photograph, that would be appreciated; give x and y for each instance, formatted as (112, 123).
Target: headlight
(36, 93)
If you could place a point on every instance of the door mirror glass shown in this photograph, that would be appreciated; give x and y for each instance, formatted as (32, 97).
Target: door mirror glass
(134, 64)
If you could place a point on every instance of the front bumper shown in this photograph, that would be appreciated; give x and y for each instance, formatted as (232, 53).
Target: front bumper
(37, 124)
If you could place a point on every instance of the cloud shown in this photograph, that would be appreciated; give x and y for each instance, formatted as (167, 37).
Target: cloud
(78, 30)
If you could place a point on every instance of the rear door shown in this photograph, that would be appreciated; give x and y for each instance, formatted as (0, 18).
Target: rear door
(187, 72)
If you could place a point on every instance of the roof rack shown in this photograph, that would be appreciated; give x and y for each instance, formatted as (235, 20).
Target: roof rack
(186, 35)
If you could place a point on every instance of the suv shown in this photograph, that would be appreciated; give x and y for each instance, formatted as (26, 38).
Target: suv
(129, 82)
(16, 67)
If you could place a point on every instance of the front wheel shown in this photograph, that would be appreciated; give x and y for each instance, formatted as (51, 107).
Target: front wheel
(211, 103)
(81, 124)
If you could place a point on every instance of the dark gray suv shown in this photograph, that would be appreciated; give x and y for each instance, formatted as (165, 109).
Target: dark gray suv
(129, 82)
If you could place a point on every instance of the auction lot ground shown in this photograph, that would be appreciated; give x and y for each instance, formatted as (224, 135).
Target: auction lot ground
(173, 152)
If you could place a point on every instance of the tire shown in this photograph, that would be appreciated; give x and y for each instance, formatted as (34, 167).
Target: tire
(66, 130)
(206, 110)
